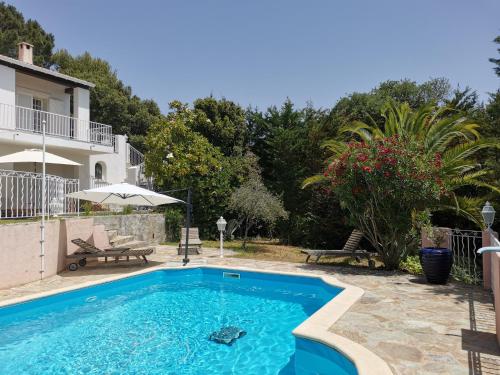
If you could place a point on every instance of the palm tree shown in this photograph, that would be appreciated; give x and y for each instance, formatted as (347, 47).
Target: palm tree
(439, 130)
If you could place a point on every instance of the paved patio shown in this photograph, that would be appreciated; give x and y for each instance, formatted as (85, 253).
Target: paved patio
(417, 328)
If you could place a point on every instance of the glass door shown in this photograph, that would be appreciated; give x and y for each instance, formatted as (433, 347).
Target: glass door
(37, 116)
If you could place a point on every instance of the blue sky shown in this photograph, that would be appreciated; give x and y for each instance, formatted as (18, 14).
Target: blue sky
(259, 52)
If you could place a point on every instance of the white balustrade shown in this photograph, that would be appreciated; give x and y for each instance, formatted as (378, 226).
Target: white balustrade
(97, 182)
(30, 120)
(21, 194)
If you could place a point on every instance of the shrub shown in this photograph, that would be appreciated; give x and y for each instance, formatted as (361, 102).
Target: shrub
(174, 219)
(381, 183)
(127, 210)
(87, 208)
(411, 265)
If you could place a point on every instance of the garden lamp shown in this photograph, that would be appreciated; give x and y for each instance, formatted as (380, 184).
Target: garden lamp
(221, 225)
(488, 213)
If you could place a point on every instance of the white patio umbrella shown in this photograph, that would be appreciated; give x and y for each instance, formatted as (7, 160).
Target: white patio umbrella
(124, 194)
(36, 156)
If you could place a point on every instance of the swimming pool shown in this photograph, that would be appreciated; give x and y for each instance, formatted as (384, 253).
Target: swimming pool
(160, 322)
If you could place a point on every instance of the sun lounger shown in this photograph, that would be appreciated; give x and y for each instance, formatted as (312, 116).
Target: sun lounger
(351, 248)
(87, 250)
(194, 245)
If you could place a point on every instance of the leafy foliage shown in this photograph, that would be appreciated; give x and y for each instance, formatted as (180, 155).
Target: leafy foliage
(438, 130)
(366, 107)
(496, 61)
(287, 142)
(222, 122)
(194, 163)
(380, 183)
(174, 219)
(412, 265)
(254, 203)
(14, 29)
(111, 102)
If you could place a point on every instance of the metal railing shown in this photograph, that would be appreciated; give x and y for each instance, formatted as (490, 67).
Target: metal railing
(134, 156)
(21, 194)
(30, 120)
(467, 264)
(97, 182)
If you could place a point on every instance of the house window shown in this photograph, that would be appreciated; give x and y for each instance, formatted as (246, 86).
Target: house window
(38, 117)
(98, 171)
(37, 104)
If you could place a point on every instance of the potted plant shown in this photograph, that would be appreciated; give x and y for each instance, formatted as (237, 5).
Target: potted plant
(436, 261)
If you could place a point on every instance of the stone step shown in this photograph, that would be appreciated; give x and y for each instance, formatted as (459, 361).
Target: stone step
(120, 240)
(112, 233)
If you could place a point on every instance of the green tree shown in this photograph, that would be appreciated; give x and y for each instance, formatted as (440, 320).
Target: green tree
(438, 131)
(496, 61)
(223, 123)
(253, 203)
(179, 157)
(287, 142)
(382, 182)
(14, 29)
(367, 107)
(111, 101)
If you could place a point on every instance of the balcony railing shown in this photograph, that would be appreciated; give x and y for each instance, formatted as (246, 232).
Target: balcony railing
(30, 120)
(21, 194)
(134, 156)
(97, 182)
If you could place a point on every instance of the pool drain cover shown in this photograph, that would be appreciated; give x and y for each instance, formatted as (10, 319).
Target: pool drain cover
(227, 335)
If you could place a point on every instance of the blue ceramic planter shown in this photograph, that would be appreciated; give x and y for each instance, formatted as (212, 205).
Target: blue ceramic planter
(436, 263)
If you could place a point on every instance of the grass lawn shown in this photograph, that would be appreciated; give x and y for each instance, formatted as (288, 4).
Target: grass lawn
(274, 251)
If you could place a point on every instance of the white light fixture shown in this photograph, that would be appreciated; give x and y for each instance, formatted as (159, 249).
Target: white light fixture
(221, 225)
(488, 213)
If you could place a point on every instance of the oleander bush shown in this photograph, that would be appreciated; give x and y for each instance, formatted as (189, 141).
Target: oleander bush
(382, 183)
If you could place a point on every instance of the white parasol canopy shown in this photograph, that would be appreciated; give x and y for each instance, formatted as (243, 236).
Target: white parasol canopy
(35, 156)
(124, 194)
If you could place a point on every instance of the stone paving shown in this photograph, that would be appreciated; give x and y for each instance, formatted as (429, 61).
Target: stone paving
(415, 327)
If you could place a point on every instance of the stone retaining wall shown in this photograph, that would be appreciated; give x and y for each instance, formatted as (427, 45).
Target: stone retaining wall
(144, 227)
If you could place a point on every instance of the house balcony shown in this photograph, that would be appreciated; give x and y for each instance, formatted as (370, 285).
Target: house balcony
(27, 120)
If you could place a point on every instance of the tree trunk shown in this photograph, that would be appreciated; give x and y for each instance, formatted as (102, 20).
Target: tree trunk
(247, 227)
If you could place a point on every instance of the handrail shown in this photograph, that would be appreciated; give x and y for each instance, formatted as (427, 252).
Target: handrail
(134, 157)
(489, 249)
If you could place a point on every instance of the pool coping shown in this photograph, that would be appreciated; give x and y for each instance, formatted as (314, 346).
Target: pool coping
(315, 328)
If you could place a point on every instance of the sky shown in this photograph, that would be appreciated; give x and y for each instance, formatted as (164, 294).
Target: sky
(259, 52)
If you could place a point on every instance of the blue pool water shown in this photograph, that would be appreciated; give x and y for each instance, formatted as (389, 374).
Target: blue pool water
(159, 323)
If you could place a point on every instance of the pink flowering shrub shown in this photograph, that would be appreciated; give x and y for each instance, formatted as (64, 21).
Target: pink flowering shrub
(382, 183)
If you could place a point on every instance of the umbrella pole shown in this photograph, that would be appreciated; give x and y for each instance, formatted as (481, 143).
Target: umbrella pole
(188, 223)
(42, 224)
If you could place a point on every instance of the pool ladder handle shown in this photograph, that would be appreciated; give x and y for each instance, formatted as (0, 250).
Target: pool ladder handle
(489, 249)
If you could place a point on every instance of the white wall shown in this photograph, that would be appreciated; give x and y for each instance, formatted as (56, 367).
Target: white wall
(7, 85)
(7, 96)
(54, 94)
(115, 164)
(81, 99)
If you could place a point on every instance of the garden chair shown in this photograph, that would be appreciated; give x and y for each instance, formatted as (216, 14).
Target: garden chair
(194, 242)
(351, 248)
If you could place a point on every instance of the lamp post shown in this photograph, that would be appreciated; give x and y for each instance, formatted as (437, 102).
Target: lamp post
(488, 213)
(221, 225)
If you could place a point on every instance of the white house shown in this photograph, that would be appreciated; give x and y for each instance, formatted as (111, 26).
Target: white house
(30, 94)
